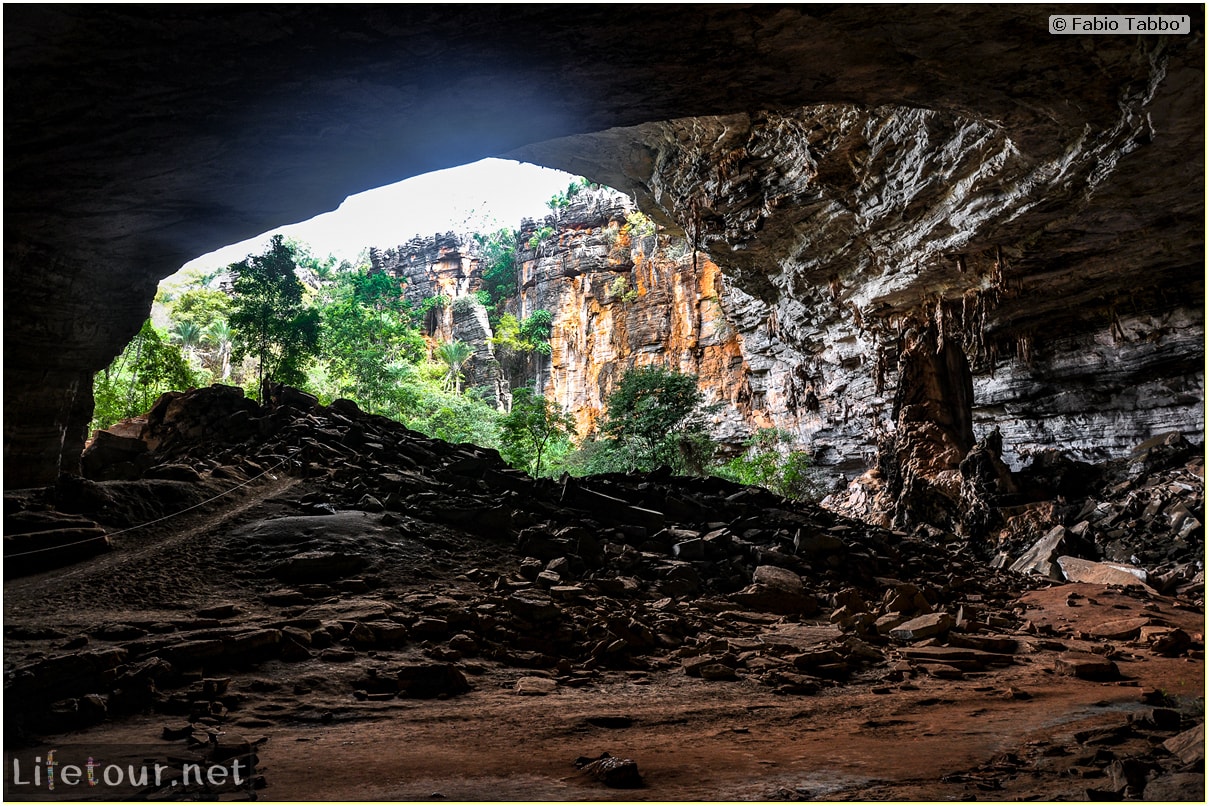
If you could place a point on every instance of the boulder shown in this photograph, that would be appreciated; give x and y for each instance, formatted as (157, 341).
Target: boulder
(1176, 788)
(1086, 666)
(1042, 558)
(1189, 746)
(108, 449)
(428, 680)
(535, 686)
(927, 626)
(1076, 569)
(619, 773)
(777, 590)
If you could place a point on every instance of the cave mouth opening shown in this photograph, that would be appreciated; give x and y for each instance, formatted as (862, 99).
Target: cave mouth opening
(475, 197)
(388, 275)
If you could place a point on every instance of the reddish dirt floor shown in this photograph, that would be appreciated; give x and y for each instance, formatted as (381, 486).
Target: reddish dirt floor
(1019, 730)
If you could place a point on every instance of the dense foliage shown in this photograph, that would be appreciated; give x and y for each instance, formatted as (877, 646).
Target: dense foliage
(655, 417)
(340, 330)
(368, 339)
(149, 366)
(770, 462)
(497, 261)
(534, 426)
(270, 320)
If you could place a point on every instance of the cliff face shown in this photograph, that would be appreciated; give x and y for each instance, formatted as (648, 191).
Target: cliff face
(621, 300)
(850, 234)
(617, 300)
(837, 362)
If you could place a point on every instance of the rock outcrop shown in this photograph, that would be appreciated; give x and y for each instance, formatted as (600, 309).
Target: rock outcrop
(841, 163)
(854, 228)
(617, 300)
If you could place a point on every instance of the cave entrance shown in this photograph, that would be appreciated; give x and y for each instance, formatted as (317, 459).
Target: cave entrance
(428, 234)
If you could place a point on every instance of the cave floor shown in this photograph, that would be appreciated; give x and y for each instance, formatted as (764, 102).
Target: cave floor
(1017, 731)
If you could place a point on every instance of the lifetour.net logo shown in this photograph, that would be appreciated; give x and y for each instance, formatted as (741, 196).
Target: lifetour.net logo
(115, 772)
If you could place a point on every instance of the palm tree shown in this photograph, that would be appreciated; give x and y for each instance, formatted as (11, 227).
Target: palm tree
(219, 335)
(454, 354)
(188, 335)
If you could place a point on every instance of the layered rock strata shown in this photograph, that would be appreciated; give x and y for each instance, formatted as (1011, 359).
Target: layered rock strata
(850, 228)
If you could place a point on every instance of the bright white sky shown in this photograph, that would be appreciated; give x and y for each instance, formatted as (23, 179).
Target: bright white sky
(485, 195)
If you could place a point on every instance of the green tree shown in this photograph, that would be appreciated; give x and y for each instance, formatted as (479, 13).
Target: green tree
(765, 463)
(453, 354)
(535, 330)
(219, 336)
(453, 418)
(498, 264)
(368, 340)
(147, 367)
(530, 428)
(200, 306)
(269, 318)
(188, 335)
(654, 418)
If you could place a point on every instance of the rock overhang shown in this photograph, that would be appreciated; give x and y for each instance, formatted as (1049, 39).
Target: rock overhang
(139, 137)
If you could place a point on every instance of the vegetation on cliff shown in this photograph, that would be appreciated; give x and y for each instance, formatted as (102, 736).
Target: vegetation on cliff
(345, 330)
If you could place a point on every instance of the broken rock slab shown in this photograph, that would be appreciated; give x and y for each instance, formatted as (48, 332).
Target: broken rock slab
(535, 686)
(1188, 746)
(1076, 569)
(1042, 558)
(777, 590)
(1176, 788)
(619, 773)
(1086, 666)
(1125, 629)
(927, 626)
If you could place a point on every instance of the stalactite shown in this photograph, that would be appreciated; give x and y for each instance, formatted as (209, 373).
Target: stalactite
(879, 369)
(773, 324)
(939, 320)
(836, 287)
(1024, 348)
(857, 318)
(1114, 326)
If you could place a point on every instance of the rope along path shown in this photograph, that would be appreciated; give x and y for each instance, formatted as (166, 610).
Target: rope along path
(157, 520)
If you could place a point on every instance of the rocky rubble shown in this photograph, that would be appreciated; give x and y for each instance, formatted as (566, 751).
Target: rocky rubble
(563, 580)
(1141, 515)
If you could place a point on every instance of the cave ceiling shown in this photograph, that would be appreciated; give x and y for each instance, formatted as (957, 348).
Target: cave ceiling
(138, 137)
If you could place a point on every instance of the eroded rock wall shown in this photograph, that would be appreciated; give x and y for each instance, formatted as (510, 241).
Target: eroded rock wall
(846, 227)
(617, 300)
(621, 300)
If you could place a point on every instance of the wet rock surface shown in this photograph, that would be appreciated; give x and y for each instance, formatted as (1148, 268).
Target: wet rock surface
(336, 582)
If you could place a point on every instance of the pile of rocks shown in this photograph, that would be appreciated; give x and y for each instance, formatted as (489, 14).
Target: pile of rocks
(1141, 517)
(564, 579)
(1155, 754)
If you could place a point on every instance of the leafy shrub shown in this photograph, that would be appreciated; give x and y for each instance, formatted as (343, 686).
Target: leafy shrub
(655, 418)
(764, 464)
(532, 427)
(540, 237)
(148, 366)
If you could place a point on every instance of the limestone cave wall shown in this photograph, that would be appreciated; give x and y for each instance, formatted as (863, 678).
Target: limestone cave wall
(846, 229)
(847, 167)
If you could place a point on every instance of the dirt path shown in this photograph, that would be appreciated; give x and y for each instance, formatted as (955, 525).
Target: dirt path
(150, 567)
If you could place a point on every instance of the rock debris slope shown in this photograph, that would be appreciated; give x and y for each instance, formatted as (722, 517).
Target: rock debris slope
(381, 565)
